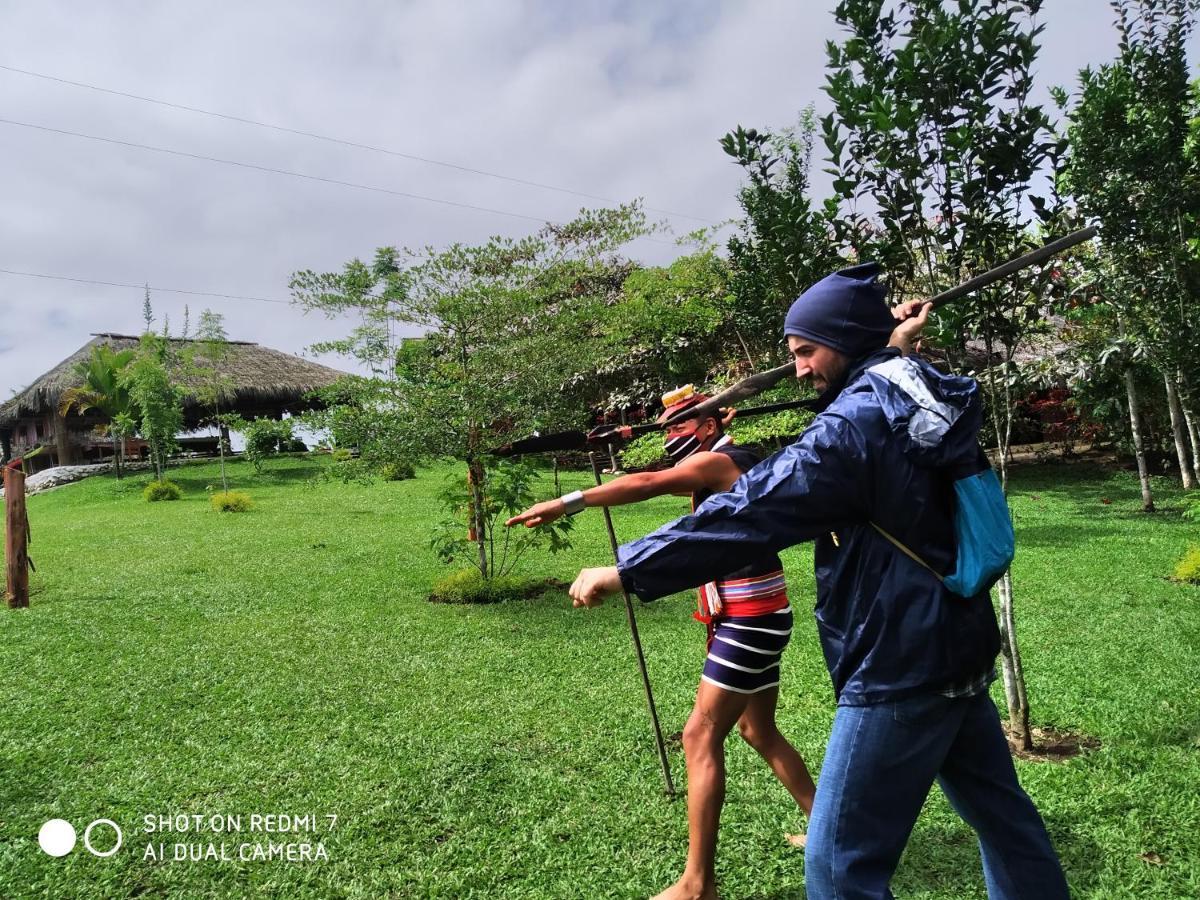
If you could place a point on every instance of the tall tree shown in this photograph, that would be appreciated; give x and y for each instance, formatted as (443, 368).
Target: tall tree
(509, 329)
(784, 240)
(1130, 166)
(204, 375)
(938, 151)
(157, 398)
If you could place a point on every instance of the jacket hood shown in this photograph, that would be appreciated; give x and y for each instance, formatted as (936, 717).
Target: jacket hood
(935, 416)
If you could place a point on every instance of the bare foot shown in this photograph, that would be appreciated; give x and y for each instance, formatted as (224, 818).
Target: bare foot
(688, 889)
(797, 840)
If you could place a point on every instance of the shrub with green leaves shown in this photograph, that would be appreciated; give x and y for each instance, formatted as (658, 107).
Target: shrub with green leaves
(1188, 568)
(231, 501)
(396, 471)
(1191, 508)
(468, 586)
(766, 432)
(505, 491)
(162, 490)
(645, 452)
(341, 455)
(265, 438)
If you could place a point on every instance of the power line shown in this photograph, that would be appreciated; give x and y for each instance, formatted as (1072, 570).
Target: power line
(274, 171)
(291, 174)
(342, 141)
(149, 287)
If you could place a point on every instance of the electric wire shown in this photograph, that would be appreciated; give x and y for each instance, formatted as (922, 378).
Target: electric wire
(149, 287)
(342, 141)
(289, 173)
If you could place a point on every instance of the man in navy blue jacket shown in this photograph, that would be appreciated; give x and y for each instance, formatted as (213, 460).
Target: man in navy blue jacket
(910, 661)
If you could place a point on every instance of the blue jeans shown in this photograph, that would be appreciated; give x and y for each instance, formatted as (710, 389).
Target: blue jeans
(879, 766)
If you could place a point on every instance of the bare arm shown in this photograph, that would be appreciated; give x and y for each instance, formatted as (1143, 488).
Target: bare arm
(700, 471)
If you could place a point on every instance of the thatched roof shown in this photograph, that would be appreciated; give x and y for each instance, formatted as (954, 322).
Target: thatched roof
(261, 377)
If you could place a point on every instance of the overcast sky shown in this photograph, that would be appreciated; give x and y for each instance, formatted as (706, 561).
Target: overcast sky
(614, 99)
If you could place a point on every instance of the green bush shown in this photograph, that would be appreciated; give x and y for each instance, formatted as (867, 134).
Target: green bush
(231, 501)
(1191, 508)
(467, 586)
(646, 451)
(265, 438)
(396, 471)
(1188, 568)
(161, 490)
(341, 455)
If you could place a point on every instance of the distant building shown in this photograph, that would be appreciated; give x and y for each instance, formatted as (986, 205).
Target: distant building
(266, 382)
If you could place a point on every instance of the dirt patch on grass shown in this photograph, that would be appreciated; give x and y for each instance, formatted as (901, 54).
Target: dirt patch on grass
(1051, 745)
(475, 590)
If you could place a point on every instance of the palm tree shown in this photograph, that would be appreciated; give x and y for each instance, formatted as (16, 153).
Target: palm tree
(102, 392)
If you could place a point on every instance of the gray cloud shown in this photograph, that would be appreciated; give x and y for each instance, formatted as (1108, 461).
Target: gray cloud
(618, 99)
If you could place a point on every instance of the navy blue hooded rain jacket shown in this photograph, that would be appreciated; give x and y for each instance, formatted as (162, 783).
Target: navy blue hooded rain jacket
(886, 450)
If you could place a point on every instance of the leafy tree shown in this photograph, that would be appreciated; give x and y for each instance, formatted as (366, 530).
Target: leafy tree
(156, 397)
(265, 438)
(102, 392)
(509, 491)
(212, 388)
(784, 240)
(1106, 358)
(936, 149)
(509, 339)
(1131, 167)
(664, 326)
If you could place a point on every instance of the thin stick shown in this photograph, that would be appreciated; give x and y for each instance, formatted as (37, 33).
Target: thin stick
(756, 384)
(637, 644)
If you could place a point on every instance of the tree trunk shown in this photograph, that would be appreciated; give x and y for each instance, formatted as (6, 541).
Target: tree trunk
(1013, 672)
(1135, 425)
(1188, 402)
(62, 440)
(557, 487)
(475, 477)
(1179, 430)
(222, 440)
(1194, 435)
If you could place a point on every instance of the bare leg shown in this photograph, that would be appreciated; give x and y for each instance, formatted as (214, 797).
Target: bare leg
(759, 730)
(712, 719)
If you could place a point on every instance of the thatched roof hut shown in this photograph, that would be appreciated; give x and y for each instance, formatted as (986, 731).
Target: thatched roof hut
(265, 382)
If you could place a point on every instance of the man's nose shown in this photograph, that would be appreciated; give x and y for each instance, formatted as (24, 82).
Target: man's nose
(803, 370)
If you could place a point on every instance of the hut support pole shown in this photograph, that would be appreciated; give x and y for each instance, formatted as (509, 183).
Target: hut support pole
(16, 539)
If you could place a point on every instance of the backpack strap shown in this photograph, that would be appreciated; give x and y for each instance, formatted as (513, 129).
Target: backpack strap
(908, 552)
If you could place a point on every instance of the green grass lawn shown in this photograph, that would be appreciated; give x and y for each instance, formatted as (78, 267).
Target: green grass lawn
(285, 660)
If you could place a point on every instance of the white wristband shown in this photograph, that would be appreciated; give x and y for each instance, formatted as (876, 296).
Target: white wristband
(573, 502)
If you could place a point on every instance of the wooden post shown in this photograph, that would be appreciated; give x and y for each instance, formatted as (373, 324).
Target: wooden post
(16, 539)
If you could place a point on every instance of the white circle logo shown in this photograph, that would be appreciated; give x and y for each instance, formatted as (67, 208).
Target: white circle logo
(57, 837)
(87, 838)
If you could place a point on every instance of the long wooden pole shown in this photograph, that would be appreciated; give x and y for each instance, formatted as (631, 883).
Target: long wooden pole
(637, 645)
(756, 384)
(16, 539)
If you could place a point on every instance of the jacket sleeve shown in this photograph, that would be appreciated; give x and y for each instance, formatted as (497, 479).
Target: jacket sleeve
(801, 492)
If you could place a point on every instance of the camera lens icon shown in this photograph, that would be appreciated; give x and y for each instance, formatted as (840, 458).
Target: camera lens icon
(57, 837)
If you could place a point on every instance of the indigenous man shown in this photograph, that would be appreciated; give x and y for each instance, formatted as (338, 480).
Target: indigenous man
(749, 622)
(910, 661)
